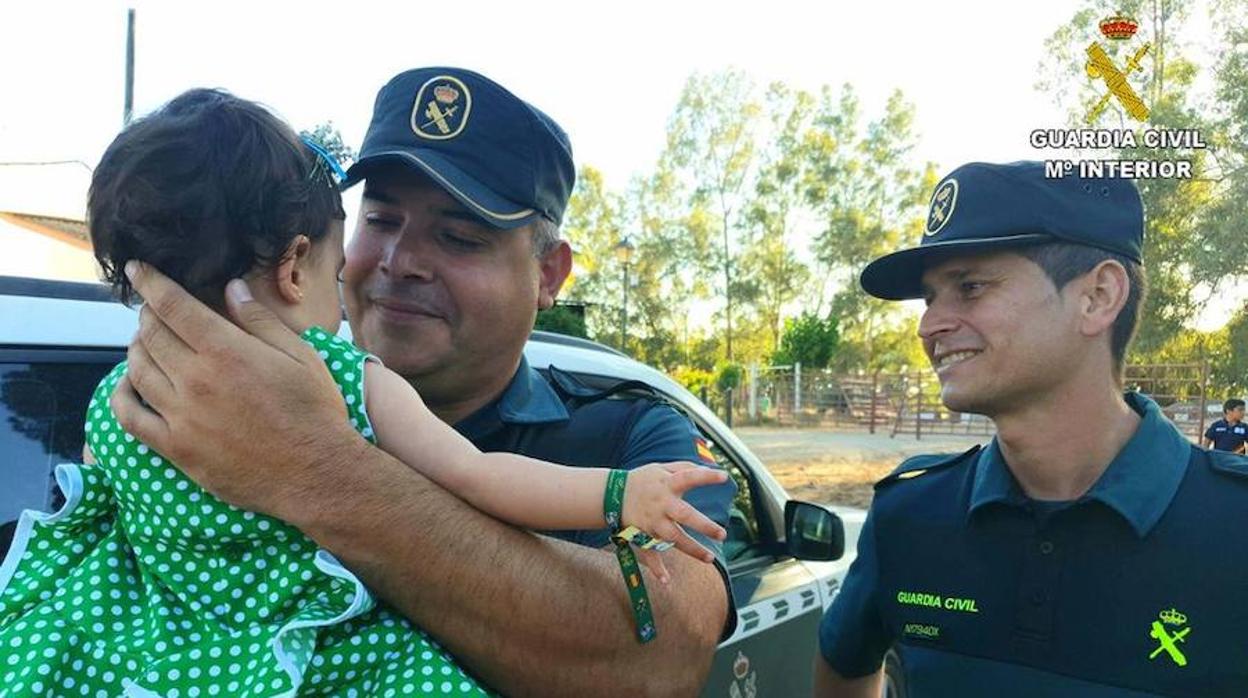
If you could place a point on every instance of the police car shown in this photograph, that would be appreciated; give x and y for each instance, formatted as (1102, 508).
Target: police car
(57, 339)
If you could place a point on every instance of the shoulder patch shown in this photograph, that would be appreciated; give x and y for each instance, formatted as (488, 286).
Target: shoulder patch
(917, 466)
(1227, 463)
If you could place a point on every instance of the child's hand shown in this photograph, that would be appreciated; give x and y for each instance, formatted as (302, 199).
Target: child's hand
(652, 503)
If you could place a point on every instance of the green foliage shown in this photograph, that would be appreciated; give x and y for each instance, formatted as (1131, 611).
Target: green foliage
(728, 375)
(711, 148)
(1229, 358)
(764, 204)
(1194, 241)
(871, 200)
(808, 340)
(774, 274)
(328, 137)
(562, 319)
(767, 201)
(591, 225)
(695, 380)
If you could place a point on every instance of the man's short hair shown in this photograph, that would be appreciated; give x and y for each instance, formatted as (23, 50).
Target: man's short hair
(1232, 404)
(1063, 262)
(545, 236)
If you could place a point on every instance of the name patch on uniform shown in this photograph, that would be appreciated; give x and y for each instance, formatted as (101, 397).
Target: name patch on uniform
(948, 603)
(921, 631)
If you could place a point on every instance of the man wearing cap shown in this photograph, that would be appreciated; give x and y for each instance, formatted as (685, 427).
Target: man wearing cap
(1229, 433)
(1084, 551)
(456, 248)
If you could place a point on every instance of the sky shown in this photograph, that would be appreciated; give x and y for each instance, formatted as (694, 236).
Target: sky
(610, 73)
(610, 76)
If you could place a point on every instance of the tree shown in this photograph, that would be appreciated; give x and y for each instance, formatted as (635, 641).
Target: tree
(328, 137)
(744, 182)
(711, 145)
(777, 273)
(808, 340)
(562, 318)
(670, 249)
(871, 201)
(1194, 240)
(591, 224)
(650, 216)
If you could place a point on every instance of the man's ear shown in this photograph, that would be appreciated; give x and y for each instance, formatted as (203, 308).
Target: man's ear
(1103, 293)
(555, 267)
(291, 275)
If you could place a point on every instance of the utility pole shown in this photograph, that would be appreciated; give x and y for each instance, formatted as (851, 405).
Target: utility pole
(128, 110)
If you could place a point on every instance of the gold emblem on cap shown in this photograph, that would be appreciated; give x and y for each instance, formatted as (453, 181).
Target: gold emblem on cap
(441, 109)
(943, 200)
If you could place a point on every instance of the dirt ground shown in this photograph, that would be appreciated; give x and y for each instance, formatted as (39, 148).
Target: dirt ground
(839, 467)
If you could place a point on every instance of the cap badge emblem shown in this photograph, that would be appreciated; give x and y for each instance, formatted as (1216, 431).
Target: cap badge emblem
(943, 201)
(441, 109)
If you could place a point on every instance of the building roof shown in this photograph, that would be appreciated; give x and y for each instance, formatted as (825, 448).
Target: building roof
(68, 230)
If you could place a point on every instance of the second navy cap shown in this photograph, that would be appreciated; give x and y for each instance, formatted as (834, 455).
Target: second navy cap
(985, 206)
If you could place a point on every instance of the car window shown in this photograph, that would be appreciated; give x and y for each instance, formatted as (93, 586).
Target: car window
(42, 409)
(747, 540)
(745, 537)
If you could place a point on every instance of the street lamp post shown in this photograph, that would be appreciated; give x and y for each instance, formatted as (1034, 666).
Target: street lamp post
(624, 252)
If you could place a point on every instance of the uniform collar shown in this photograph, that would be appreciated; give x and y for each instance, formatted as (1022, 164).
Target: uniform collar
(1139, 483)
(528, 399)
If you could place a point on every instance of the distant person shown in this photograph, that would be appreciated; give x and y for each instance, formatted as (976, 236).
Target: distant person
(144, 584)
(1089, 549)
(1229, 433)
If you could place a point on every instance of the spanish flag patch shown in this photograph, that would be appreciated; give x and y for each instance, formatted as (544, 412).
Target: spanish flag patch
(704, 451)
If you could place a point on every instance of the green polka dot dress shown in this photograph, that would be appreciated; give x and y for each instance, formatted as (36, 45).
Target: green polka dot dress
(143, 584)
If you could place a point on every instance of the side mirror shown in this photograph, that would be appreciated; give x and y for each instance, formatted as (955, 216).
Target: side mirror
(813, 532)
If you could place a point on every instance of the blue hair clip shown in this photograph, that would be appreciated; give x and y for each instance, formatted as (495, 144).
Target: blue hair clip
(332, 163)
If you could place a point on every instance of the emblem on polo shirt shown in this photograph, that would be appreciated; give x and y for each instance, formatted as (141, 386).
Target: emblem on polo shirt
(441, 109)
(943, 201)
(1168, 640)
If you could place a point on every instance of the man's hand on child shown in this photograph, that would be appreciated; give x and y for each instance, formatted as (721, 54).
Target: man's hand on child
(653, 503)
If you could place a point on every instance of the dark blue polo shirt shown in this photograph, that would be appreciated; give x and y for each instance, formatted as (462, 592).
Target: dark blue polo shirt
(1226, 436)
(1136, 588)
(530, 410)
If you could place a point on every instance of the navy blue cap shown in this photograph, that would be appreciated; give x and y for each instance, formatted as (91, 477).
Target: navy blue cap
(983, 206)
(501, 157)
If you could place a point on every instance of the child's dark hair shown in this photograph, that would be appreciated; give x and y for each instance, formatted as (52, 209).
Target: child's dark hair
(205, 189)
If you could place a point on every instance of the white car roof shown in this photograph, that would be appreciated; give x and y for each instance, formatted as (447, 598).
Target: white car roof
(36, 313)
(69, 314)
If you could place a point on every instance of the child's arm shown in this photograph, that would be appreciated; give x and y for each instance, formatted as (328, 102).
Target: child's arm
(525, 491)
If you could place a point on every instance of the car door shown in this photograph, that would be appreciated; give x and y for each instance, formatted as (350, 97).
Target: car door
(778, 600)
(43, 401)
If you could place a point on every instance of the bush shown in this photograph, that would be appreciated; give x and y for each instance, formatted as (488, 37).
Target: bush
(563, 319)
(694, 379)
(807, 340)
(727, 376)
